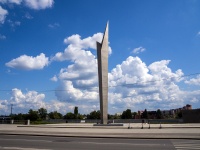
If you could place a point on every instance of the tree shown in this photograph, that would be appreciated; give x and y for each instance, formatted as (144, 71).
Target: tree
(145, 114)
(94, 115)
(55, 115)
(69, 115)
(42, 113)
(117, 116)
(76, 112)
(20, 116)
(80, 116)
(111, 116)
(124, 115)
(127, 114)
(159, 114)
(33, 115)
(179, 115)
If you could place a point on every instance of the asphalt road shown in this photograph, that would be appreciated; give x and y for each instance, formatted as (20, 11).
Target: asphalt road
(20, 142)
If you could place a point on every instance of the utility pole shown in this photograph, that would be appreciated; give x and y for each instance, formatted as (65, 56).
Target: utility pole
(11, 108)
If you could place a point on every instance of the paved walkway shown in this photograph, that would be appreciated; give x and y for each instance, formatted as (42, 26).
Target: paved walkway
(133, 130)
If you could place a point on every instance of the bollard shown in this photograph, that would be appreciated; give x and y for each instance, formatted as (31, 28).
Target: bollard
(28, 122)
(142, 123)
(129, 126)
(12, 121)
(160, 126)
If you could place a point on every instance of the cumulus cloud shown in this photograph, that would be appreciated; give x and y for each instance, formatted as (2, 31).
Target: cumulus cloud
(67, 92)
(132, 84)
(25, 62)
(39, 4)
(77, 46)
(138, 50)
(54, 78)
(89, 42)
(24, 101)
(194, 81)
(3, 14)
(33, 4)
(79, 79)
(161, 70)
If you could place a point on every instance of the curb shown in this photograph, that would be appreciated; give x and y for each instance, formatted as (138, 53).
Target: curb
(117, 136)
(105, 127)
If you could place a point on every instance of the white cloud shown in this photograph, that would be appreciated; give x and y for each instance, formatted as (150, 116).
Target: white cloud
(39, 4)
(11, 1)
(15, 1)
(54, 25)
(24, 101)
(54, 78)
(134, 84)
(14, 24)
(2, 37)
(25, 62)
(89, 42)
(33, 4)
(138, 50)
(28, 16)
(131, 84)
(131, 71)
(198, 33)
(194, 81)
(81, 69)
(80, 78)
(161, 70)
(3, 14)
(67, 92)
(76, 47)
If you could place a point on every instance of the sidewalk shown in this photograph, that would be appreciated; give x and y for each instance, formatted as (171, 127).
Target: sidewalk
(168, 131)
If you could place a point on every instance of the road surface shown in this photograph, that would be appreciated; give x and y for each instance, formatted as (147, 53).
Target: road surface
(21, 142)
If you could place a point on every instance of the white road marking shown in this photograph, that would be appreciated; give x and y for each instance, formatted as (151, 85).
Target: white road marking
(21, 148)
(25, 140)
(132, 144)
(187, 144)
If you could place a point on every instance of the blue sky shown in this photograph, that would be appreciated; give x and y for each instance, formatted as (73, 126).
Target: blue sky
(48, 54)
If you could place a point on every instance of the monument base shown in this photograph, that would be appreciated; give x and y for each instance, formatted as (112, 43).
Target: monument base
(109, 125)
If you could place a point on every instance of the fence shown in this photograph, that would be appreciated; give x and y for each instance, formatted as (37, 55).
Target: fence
(94, 121)
(152, 121)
